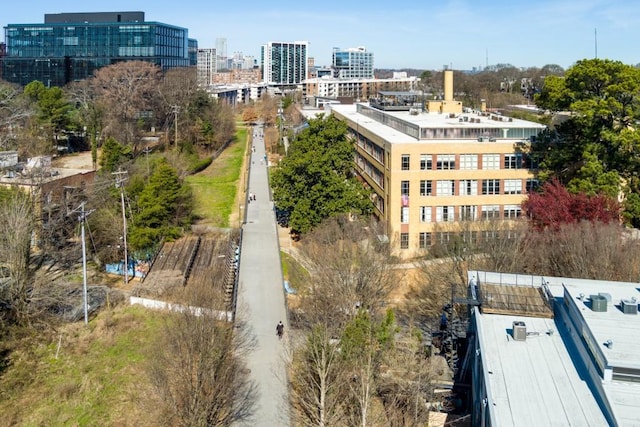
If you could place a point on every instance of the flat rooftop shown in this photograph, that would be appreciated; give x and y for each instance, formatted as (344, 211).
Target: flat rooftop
(426, 120)
(533, 382)
(546, 359)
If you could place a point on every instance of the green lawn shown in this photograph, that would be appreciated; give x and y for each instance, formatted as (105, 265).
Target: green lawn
(216, 187)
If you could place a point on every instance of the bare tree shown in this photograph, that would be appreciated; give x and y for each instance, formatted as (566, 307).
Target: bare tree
(14, 111)
(586, 250)
(17, 223)
(317, 381)
(128, 91)
(198, 369)
(350, 269)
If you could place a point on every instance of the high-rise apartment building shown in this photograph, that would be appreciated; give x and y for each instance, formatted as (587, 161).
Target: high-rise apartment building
(71, 46)
(207, 66)
(221, 49)
(433, 171)
(284, 63)
(352, 63)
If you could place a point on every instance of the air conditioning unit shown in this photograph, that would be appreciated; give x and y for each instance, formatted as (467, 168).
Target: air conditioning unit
(598, 303)
(629, 306)
(519, 331)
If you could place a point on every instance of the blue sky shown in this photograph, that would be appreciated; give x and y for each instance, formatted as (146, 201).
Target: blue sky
(424, 34)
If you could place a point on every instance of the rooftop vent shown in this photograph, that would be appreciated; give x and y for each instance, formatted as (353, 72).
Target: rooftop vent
(519, 331)
(598, 303)
(629, 306)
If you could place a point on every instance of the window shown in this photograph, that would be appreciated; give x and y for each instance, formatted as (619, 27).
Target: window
(425, 162)
(444, 237)
(491, 161)
(490, 186)
(425, 187)
(444, 213)
(404, 188)
(469, 237)
(469, 187)
(532, 185)
(490, 212)
(425, 213)
(445, 187)
(404, 215)
(468, 161)
(446, 162)
(512, 186)
(468, 213)
(405, 162)
(513, 161)
(490, 234)
(512, 211)
(404, 240)
(425, 240)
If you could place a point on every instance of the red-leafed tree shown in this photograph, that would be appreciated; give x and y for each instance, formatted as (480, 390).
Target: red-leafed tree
(554, 206)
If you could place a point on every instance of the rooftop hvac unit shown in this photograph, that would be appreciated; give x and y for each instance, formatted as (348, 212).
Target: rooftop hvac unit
(629, 306)
(598, 303)
(519, 331)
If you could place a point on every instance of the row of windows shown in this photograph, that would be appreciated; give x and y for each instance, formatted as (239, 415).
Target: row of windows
(429, 239)
(469, 161)
(427, 214)
(469, 187)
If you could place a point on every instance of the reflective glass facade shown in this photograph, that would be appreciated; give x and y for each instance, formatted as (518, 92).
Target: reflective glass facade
(59, 53)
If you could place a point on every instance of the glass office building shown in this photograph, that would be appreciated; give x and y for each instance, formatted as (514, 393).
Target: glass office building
(70, 47)
(352, 63)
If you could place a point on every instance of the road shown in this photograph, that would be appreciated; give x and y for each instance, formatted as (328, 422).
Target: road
(261, 299)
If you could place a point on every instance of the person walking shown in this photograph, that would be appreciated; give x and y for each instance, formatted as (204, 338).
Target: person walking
(280, 330)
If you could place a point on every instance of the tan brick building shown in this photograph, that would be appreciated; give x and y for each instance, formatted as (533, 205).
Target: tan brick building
(430, 170)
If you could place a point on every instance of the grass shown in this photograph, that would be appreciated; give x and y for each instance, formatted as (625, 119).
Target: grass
(215, 188)
(99, 376)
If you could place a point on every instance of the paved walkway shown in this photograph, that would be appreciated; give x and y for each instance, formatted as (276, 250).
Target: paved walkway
(261, 299)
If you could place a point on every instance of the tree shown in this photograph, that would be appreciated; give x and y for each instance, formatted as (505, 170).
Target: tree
(54, 111)
(113, 155)
(596, 149)
(128, 91)
(317, 381)
(348, 269)
(17, 223)
(554, 205)
(90, 112)
(14, 112)
(162, 208)
(315, 181)
(198, 367)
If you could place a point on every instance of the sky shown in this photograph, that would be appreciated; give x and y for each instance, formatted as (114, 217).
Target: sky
(420, 34)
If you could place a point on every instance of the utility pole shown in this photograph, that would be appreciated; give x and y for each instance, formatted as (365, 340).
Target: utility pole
(82, 218)
(121, 177)
(175, 109)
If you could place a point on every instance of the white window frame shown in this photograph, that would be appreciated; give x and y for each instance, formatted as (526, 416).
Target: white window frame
(468, 162)
(491, 161)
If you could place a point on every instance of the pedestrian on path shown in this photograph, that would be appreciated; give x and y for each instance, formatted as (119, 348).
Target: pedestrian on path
(280, 330)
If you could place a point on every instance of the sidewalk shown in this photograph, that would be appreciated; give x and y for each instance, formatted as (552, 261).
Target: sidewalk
(261, 299)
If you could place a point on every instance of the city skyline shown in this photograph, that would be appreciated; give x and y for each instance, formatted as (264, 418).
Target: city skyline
(461, 34)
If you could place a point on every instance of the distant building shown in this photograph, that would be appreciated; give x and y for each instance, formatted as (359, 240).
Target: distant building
(221, 50)
(72, 46)
(553, 351)
(352, 63)
(284, 63)
(433, 165)
(207, 66)
(356, 89)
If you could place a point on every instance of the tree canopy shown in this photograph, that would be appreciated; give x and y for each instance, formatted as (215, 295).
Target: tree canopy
(596, 150)
(315, 181)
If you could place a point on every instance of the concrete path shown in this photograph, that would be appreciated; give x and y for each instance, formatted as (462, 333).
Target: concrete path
(261, 299)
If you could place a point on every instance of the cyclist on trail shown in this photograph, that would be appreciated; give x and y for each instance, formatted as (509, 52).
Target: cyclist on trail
(280, 329)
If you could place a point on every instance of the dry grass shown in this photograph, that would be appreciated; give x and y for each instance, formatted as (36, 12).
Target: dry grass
(98, 377)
